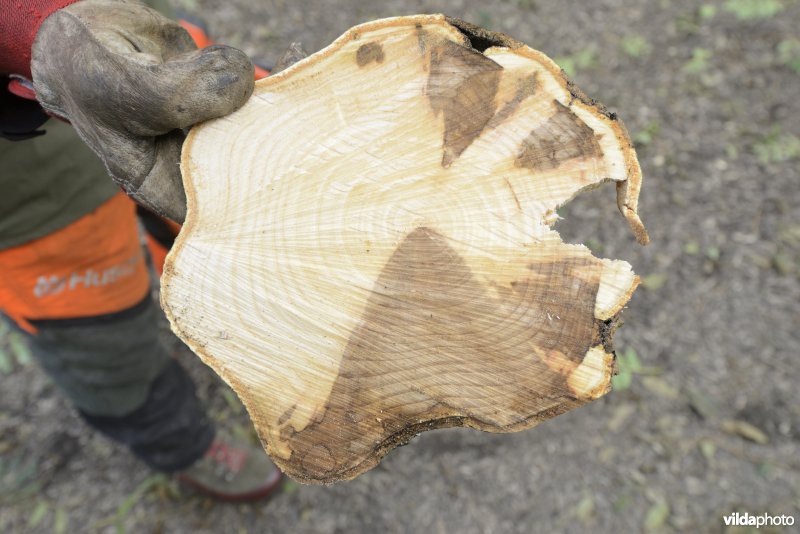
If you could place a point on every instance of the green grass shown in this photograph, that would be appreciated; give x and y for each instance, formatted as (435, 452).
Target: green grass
(708, 449)
(648, 134)
(61, 521)
(656, 516)
(14, 349)
(594, 245)
(753, 9)
(585, 509)
(692, 248)
(18, 477)
(585, 58)
(154, 483)
(789, 53)
(485, 19)
(777, 147)
(38, 514)
(707, 11)
(628, 364)
(699, 61)
(688, 23)
(783, 263)
(621, 502)
(654, 282)
(636, 46)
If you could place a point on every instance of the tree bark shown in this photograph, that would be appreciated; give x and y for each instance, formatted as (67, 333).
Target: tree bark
(369, 251)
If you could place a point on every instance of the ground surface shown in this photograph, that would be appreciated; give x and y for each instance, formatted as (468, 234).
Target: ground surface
(709, 422)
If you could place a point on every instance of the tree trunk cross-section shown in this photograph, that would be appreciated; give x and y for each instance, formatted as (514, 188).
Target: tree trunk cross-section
(369, 250)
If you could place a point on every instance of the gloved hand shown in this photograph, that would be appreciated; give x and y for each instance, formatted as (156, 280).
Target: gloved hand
(129, 79)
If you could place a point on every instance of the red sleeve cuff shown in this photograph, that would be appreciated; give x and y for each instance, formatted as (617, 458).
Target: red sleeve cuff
(19, 22)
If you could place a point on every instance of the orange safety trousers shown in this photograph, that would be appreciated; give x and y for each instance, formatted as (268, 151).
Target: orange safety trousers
(92, 267)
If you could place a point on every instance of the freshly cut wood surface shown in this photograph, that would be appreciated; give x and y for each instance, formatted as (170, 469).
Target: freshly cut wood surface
(369, 250)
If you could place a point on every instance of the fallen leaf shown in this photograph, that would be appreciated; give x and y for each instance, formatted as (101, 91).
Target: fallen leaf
(709, 449)
(654, 282)
(606, 454)
(790, 235)
(660, 387)
(656, 516)
(61, 521)
(692, 248)
(39, 512)
(585, 509)
(783, 264)
(745, 430)
(702, 405)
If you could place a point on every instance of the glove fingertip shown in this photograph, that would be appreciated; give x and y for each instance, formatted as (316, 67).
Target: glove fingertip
(215, 81)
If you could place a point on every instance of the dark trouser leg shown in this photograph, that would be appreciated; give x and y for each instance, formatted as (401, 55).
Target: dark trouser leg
(119, 376)
(170, 431)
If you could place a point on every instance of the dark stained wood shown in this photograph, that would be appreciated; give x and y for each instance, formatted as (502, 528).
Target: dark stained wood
(562, 138)
(367, 53)
(433, 346)
(461, 85)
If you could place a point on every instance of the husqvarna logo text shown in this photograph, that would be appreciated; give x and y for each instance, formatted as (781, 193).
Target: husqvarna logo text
(50, 285)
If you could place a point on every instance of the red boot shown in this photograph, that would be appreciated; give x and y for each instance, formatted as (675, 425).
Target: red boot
(232, 471)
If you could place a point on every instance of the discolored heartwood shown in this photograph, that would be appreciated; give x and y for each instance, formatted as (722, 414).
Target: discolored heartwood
(369, 250)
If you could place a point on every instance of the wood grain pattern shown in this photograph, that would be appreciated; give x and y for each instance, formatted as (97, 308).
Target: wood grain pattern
(368, 251)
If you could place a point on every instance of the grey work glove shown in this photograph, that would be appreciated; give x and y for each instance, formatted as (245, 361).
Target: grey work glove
(129, 80)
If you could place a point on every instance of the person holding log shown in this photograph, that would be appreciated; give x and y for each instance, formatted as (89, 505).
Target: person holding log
(126, 83)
